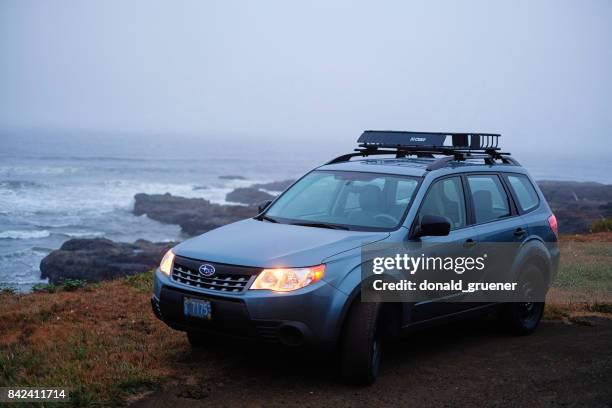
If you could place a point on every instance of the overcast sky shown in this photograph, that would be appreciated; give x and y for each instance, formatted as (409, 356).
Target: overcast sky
(540, 72)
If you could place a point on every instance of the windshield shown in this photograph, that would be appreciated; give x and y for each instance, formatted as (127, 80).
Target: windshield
(346, 200)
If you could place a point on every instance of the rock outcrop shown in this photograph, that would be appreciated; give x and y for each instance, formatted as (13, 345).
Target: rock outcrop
(248, 195)
(99, 259)
(257, 193)
(275, 185)
(194, 215)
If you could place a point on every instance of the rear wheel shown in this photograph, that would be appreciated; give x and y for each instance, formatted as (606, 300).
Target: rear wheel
(523, 318)
(361, 344)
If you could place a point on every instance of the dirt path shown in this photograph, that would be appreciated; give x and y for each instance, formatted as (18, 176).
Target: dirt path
(459, 365)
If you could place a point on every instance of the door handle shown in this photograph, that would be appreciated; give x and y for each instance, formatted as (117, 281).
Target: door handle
(469, 243)
(519, 232)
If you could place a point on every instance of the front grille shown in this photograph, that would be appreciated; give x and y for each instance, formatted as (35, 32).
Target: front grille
(232, 279)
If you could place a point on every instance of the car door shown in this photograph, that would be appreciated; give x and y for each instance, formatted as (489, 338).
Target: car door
(495, 216)
(498, 224)
(445, 197)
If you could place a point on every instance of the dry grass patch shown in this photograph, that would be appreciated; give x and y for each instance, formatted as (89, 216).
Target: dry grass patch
(103, 343)
(584, 282)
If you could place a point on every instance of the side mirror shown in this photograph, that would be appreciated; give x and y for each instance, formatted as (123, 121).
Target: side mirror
(262, 207)
(433, 225)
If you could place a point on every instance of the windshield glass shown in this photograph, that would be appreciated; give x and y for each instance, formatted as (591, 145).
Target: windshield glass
(345, 199)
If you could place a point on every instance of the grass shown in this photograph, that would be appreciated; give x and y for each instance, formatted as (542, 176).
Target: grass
(7, 289)
(596, 276)
(583, 285)
(73, 284)
(44, 287)
(143, 282)
(585, 266)
(602, 225)
(103, 343)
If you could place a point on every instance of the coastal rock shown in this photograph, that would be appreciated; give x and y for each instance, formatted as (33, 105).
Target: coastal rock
(257, 193)
(275, 185)
(577, 204)
(194, 215)
(248, 195)
(99, 259)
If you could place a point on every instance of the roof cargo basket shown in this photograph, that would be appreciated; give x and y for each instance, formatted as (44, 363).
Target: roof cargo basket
(463, 146)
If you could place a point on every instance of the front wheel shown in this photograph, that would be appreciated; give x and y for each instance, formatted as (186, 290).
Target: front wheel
(200, 340)
(361, 350)
(523, 318)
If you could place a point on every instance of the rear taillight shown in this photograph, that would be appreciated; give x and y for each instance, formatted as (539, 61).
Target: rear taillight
(552, 221)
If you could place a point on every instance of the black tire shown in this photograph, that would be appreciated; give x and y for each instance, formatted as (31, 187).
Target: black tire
(361, 343)
(523, 318)
(200, 340)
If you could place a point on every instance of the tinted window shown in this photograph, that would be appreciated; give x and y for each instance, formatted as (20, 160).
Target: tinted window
(488, 197)
(445, 198)
(524, 191)
(346, 198)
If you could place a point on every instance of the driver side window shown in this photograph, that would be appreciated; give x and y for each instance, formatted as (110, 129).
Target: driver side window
(445, 198)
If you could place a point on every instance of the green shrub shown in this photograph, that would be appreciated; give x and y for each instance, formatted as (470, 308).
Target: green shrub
(7, 289)
(142, 282)
(44, 287)
(72, 284)
(603, 225)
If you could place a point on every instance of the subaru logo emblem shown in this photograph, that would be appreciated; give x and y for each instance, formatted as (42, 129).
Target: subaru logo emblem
(206, 270)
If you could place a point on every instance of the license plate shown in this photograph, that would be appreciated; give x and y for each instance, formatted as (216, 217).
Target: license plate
(199, 308)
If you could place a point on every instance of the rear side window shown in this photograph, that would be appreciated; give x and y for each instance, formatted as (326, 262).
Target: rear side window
(488, 197)
(524, 191)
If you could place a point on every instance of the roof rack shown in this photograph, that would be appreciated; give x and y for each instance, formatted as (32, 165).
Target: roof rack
(465, 146)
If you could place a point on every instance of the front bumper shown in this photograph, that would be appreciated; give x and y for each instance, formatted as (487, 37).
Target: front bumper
(307, 317)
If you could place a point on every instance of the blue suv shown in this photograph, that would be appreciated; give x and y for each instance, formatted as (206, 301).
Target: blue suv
(292, 275)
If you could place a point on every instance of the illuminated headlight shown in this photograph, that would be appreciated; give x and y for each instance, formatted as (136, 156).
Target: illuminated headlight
(165, 265)
(288, 279)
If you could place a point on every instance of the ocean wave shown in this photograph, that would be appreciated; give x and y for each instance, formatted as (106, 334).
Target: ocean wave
(19, 184)
(82, 234)
(48, 170)
(24, 234)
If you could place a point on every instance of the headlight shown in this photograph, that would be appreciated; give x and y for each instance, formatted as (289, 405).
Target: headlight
(288, 279)
(166, 263)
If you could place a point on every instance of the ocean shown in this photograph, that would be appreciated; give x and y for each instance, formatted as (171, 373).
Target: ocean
(46, 200)
(51, 192)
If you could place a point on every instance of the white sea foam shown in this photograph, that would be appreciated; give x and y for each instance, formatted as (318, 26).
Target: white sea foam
(83, 234)
(24, 234)
(45, 201)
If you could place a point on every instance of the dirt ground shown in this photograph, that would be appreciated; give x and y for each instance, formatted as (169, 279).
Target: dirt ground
(469, 364)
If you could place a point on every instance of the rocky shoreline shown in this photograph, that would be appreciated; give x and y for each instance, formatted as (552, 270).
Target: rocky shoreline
(195, 216)
(577, 206)
(98, 259)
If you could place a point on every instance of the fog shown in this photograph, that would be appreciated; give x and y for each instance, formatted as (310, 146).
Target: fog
(322, 71)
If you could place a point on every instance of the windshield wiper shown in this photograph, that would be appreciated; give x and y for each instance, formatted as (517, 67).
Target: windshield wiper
(320, 225)
(265, 217)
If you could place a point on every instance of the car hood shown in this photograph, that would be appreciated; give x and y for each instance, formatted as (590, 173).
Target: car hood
(264, 244)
